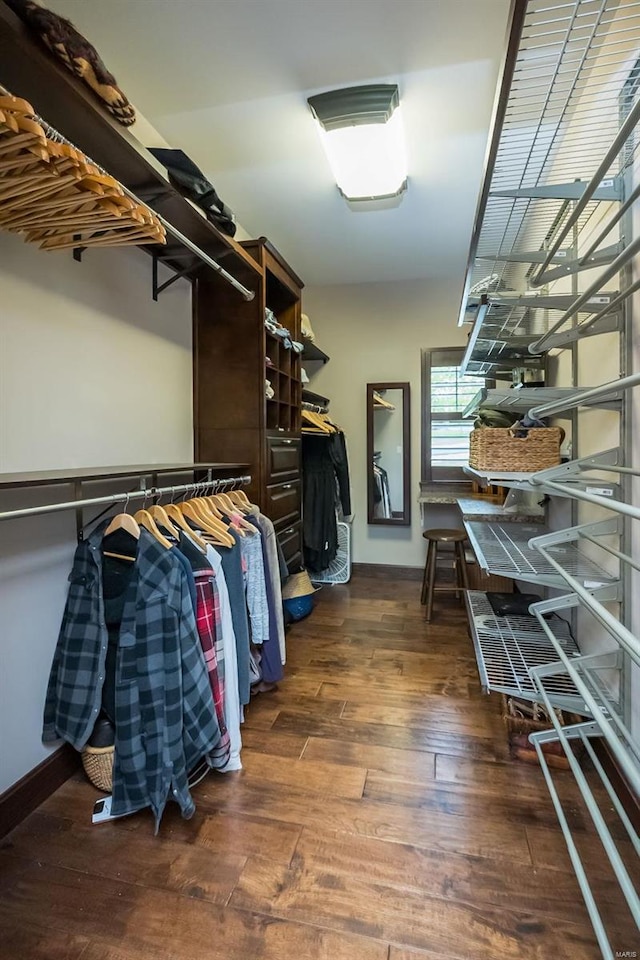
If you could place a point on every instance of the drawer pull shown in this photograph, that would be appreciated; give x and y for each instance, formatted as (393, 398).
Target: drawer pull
(286, 486)
(287, 532)
(288, 441)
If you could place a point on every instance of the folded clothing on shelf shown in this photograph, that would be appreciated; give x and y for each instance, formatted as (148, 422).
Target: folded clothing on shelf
(512, 604)
(305, 328)
(192, 183)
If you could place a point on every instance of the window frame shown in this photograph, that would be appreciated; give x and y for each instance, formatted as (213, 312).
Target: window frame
(446, 357)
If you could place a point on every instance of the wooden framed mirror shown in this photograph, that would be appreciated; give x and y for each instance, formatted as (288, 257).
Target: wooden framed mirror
(388, 454)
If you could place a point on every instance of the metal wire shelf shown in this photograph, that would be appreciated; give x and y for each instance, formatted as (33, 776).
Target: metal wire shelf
(507, 328)
(528, 398)
(507, 648)
(503, 549)
(557, 166)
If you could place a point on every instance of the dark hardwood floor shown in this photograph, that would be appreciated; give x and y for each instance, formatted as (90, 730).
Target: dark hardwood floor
(378, 817)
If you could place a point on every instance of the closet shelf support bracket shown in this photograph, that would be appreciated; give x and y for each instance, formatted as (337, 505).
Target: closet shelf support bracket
(158, 288)
(610, 189)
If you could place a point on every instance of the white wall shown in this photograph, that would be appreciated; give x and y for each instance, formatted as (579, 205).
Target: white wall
(374, 333)
(92, 373)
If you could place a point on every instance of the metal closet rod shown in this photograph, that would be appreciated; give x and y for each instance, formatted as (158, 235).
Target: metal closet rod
(621, 260)
(147, 494)
(246, 293)
(619, 141)
(206, 259)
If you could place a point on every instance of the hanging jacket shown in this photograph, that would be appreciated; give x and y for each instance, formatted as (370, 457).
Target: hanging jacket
(164, 713)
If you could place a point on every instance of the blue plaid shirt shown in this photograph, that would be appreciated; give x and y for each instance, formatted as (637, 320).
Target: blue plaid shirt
(165, 716)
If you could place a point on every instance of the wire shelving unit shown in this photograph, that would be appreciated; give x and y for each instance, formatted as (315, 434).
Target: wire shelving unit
(551, 264)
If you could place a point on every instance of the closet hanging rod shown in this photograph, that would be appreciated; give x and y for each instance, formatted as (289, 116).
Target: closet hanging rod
(621, 260)
(54, 134)
(625, 131)
(206, 259)
(148, 494)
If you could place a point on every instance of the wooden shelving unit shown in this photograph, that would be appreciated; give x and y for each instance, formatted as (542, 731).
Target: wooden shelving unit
(233, 415)
(29, 71)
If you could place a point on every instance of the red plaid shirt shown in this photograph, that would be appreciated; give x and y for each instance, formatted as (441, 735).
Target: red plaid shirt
(209, 623)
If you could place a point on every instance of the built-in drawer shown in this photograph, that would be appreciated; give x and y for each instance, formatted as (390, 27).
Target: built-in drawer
(283, 458)
(282, 502)
(290, 539)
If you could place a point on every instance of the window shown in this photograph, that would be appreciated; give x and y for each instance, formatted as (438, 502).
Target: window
(445, 434)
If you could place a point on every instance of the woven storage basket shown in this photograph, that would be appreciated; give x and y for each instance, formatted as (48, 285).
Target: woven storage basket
(496, 448)
(519, 728)
(98, 766)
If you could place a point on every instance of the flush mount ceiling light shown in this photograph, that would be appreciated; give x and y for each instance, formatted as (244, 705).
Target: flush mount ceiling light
(361, 131)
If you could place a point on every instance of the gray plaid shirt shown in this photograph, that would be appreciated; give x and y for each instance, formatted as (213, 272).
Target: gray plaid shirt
(165, 716)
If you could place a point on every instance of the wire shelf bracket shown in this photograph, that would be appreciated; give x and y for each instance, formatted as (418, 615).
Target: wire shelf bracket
(609, 189)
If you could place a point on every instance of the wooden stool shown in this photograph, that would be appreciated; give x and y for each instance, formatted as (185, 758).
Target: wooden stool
(436, 537)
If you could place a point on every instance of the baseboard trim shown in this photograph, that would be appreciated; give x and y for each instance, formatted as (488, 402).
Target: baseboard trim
(23, 797)
(384, 571)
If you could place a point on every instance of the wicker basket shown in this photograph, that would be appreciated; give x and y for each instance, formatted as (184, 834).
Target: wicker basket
(519, 728)
(497, 448)
(98, 766)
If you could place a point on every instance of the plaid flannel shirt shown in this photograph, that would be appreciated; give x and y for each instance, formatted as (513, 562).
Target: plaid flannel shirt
(209, 624)
(165, 716)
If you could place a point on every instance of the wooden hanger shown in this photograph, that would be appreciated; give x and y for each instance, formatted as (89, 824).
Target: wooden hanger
(206, 526)
(123, 521)
(240, 499)
(229, 509)
(159, 514)
(203, 505)
(176, 515)
(211, 505)
(144, 518)
(315, 421)
(53, 195)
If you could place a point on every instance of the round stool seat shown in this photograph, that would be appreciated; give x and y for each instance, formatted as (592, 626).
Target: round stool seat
(444, 535)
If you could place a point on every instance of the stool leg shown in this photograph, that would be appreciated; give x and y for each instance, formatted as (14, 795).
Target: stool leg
(463, 580)
(431, 579)
(425, 579)
(423, 595)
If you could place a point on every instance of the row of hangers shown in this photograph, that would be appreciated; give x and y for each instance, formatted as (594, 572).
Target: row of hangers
(318, 423)
(53, 195)
(205, 512)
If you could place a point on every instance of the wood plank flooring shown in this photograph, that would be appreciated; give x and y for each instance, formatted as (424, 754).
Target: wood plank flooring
(377, 817)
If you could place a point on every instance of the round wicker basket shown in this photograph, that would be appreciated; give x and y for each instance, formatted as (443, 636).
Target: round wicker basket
(98, 766)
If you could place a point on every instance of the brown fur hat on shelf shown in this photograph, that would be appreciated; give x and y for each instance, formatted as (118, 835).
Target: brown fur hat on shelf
(77, 54)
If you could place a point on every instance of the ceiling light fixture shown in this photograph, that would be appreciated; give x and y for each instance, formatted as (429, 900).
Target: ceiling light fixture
(361, 131)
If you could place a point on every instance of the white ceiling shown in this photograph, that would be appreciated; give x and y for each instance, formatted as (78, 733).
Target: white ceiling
(227, 82)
